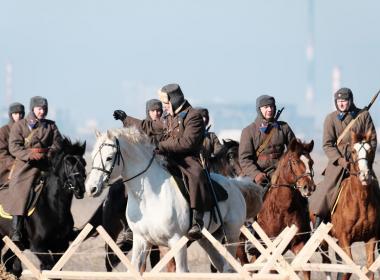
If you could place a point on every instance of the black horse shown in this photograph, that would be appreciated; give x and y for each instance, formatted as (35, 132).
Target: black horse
(51, 227)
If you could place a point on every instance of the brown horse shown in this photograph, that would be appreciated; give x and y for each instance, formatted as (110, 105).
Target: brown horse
(286, 202)
(357, 213)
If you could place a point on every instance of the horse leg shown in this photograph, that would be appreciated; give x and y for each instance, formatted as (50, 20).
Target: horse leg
(159, 253)
(12, 263)
(324, 249)
(181, 257)
(139, 251)
(345, 245)
(370, 250)
(296, 249)
(216, 259)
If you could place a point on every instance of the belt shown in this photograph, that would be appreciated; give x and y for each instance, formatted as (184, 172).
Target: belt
(269, 156)
(40, 150)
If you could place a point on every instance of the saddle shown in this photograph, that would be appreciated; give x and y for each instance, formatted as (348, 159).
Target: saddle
(180, 180)
(34, 196)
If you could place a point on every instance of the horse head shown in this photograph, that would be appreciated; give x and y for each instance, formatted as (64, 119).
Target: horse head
(226, 160)
(106, 158)
(70, 165)
(361, 153)
(295, 168)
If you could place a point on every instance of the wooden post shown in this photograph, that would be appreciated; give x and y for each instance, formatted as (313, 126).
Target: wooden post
(173, 251)
(311, 245)
(279, 250)
(224, 252)
(265, 253)
(118, 252)
(72, 248)
(36, 272)
(356, 269)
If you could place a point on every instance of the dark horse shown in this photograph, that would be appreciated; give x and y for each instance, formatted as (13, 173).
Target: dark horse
(357, 212)
(226, 160)
(285, 202)
(50, 228)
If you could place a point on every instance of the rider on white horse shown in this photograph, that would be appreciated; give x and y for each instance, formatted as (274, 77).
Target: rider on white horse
(180, 139)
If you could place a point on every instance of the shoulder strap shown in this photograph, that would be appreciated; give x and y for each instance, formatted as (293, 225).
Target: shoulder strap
(265, 143)
(348, 127)
(29, 138)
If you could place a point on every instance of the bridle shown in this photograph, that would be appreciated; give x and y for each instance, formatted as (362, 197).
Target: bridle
(69, 173)
(116, 160)
(359, 159)
(295, 185)
(73, 172)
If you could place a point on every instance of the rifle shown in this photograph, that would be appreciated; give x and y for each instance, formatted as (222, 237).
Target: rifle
(278, 114)
(349, 126)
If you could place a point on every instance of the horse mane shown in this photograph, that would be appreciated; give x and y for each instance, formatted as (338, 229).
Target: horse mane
(78, 148)
(134, 136)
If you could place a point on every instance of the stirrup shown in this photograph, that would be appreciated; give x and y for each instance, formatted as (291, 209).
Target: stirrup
(195, 232)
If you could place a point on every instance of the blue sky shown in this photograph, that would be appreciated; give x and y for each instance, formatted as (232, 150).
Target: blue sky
(91, 57)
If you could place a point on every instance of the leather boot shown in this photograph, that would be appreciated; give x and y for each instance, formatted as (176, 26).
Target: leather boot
(195, 231)
(17, 223)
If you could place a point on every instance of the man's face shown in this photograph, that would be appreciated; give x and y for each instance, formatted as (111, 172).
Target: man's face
(343, 105)
(39, 112)
(155, 114)
(167, 107)
(267, 111)
(17, 116)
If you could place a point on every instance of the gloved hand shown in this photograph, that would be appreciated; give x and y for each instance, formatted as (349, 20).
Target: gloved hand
(343, 163)
(119, 115)
(36, 156)
(260, 178)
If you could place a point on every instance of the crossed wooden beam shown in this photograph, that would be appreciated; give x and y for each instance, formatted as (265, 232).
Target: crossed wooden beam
(55, 272)
(271, 258)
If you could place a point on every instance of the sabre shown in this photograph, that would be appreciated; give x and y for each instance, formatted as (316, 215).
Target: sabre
(213, 196)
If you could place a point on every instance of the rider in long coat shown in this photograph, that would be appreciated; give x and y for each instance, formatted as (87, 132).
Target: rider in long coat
(259, 168)
(321, 201)
(16, 112)
(180, 139)
(33, 141)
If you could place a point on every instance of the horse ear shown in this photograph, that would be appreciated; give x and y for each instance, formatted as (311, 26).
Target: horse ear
(110, 134)
(368, 135)
(97, 133)
(309, 147)
(83, 147)
(354, 137)
(293, 145)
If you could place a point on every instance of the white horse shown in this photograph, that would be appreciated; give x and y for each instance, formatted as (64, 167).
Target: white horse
(157, 212)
